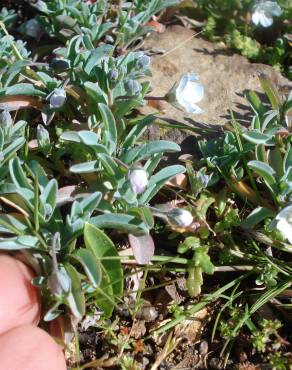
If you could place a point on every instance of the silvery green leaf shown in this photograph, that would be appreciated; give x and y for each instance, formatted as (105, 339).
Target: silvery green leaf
(11, 222)
(39, 172)
(264, 170)
(111, 166)
(75, 298)
(53, 313)
(24, 89)
(18, 128)
(18, 243)
(110, 129)
(90, 264)
(26, 194)
(256, 137)
(49, 197)
(87, 167)
(89, 204)
(95, 92)
(41, 6)
(88, 137)
(17, 174)
(13, 147)
(119, 221)
(148, 149)
(255, 217)
(157, 181)
(137, 131)
(96, 56)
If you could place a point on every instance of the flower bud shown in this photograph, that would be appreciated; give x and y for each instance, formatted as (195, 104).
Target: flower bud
(132, 87)
(138, 178)
(143, 61)
(113, 75)
(58, 98)
(32, 28)
(180, 217)
(43, 139)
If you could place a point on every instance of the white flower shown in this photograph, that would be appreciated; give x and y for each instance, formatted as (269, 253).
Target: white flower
(138, 178)
(33, 28)
(186, 93)
(180, 217)
(58, 98)
(264, 12)
(284, 224)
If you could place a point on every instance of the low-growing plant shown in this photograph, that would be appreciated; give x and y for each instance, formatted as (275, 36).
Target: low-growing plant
(79, 178)
(79, 130)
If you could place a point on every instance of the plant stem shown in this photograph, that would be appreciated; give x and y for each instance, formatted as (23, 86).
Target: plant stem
(16, 52)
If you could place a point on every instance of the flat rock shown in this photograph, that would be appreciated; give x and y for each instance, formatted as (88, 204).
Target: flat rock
(226, 77)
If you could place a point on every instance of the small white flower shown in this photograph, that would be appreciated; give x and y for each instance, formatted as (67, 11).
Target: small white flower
(264, 12)
(58, 98)
(33, 28)
(180, 217)
(138, 178)
(186, 93)
(284, 224)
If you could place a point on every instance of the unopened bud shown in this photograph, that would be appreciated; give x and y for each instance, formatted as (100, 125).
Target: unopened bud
(138, 179)
(180, 217)
(113, 75)
(58, 98)
(144, 61)
(132, 87)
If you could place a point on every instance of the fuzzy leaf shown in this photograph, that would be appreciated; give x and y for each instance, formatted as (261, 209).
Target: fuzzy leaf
(110, 130)
(255, 217)
(24, 89)
(148, 149)
(90, 264)
(264, 170)
(256, 137)
(76, 298)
